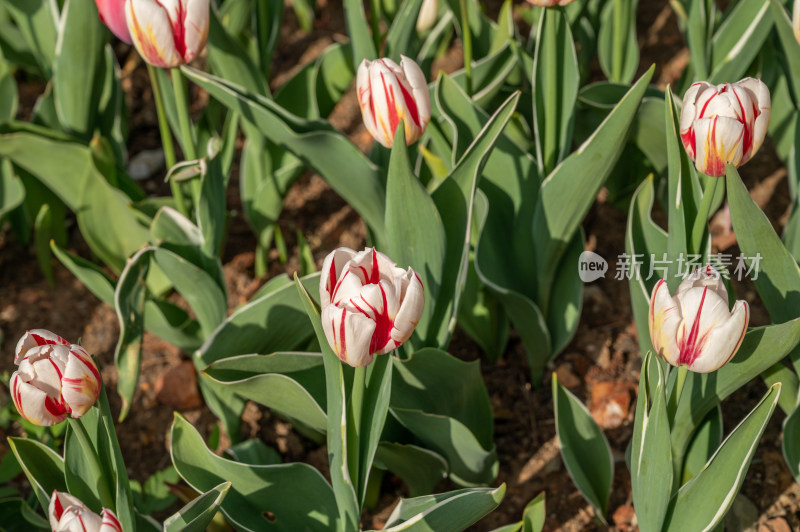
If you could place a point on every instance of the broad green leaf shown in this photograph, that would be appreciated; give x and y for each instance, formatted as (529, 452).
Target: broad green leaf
(229, 60)
(9, 96)
(37, 21)
(78, 474)
(43, 467)
(617, 47)
(129, 302)
(361, 39)
(738, 40)
(584, 448)
(375, 407)
(481, 315)
(254, 452)
(701, 503)
(791, 442)
(651, 461)
(344, 487)
(268, 29)
(281, 497)
(12, 191)
(566, 300)
(534, 514)
(197, 515)
(699, 27)
(791, 47)
(403, 29)
(276, 309)
(292, 384)
(421, 469)
(77, 84)
(569, 191)
(211, 213)
(453, 511)
(555, 89)
(318, 145)
(113, 464)
(17, 516)
(704, 443)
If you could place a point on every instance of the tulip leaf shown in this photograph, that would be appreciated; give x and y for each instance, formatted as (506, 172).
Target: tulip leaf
(9, 96)
(454, 510)
(36, 21)
(791, 47)
(705, 442)
(791, 442)
(77, 84)
(702, 502)
(317, 144)
(555, 89)
(739, 39)
(361, 40)
(651, 461)
(481, 314)
(534, 514)
(211, 213)
(403, 29)
(198, 514)
(291, 384)
(761, 348)
(345, 490)
(12, 191)
(489, 75)
(282, 497)
(444, 403)
(375, 407)
(79, 476)
(569, 191)
(43, 234)
(229, 60)
(421, 469)
(43, 467)
(129, 303)
(617, 47)
(584, 448)
(279, 311)
(566, 301)
(254, 452)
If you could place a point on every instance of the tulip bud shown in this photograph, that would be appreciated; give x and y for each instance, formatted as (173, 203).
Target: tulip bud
(428, 13)
(724, 124)
(112, 13)
(69, 514)
(389, 93)
(54, 379)
(694, 328)
(550, 3)
(168, 33)
(369, 306)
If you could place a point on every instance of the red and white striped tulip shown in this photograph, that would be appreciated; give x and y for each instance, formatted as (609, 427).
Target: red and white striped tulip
(168, 33)
(369, 305)
(54, 378)
(69, 514)
(694, 327)
(112, 13)
(550, 3)
(389, 93)
(724, 124)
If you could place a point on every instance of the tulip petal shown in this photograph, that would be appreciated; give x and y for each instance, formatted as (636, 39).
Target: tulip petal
(349, 334)
(195, 28)
(701, 277)
(331, 270)
(152, 32)
(79, 519)
(35, 405)
(718, 142)
(35, 338)
(703, 311)
(81, 382)
(664, 318)
(110, 522)
(724, 340)
(407, 318)
(112, 13)
(59, 502)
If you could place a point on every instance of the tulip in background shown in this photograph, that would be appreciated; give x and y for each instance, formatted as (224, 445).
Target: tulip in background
(69, 514)
(694, 328)
(389, 93)
(369, 305)
(55, 378)
(112, 13)
(724, 124)
(428, 13)
(168, 33)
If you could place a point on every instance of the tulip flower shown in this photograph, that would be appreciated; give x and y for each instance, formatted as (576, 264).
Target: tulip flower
(427, 15)
(69, 514)
(168, 33)
(550, 3)
(369, 305)
(389, 93)
(694, 328)
(112, 13)
(54, 378)
(724, 124)
(796, 20)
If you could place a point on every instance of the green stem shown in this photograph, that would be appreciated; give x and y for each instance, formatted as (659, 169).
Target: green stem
(182, 105)
(466, 37)
(620, 34)
(375, 23)
(166, 140)
(94, 463)
(700, 227)
(675, 398)
(354, 434)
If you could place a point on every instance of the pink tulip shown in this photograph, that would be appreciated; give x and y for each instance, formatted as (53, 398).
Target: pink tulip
(112, 13)
(168, 33)
(369, 306)
(694, 327)
(54, 379)
(389, 93)
(724, 124)
(69, 514)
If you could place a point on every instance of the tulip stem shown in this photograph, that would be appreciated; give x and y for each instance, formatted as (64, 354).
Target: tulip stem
(354, 439)
(94, 463)
(680, 380)
(166, 140)
(700, 228)
(182, 106)
(466, 37)
(620, 33)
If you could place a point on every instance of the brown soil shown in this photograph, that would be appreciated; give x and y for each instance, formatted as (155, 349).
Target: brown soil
(605, 349)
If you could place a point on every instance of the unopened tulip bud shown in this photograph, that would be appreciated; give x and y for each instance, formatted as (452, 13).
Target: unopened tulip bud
(369, 305)
(724, 124)
(54, 378)
(389, 93)
(69, 514)
(112, 13)
(168, 33)
(694, 327)
(428, 14)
